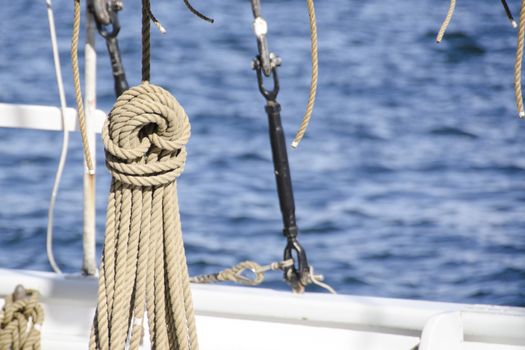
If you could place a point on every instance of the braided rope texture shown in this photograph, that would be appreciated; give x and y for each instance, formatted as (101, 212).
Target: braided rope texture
(143, 268)
(20, 322)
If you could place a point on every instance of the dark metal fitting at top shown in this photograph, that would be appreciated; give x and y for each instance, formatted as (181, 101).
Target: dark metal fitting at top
(100, 9)
(105, 12)
(269, 95)
(111, 29)
(290, 232)
(275, 61)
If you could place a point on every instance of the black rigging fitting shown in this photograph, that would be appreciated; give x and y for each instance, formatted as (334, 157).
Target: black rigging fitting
(265, 64)
(106, 18)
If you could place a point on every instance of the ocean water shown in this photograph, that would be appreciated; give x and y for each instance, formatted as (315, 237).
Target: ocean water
(410, 182)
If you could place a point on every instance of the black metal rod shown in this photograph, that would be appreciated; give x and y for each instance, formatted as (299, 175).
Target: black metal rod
(119, 75)
(282, 169)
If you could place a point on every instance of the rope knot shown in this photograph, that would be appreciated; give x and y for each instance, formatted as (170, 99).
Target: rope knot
(145, 136)
(20, 321)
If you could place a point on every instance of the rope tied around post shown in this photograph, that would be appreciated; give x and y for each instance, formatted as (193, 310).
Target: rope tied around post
(21, 320)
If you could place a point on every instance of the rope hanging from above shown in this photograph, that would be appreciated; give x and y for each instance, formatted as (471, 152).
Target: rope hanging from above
(519, 50)
(446, 22)
(21, 320)
(315, 75)
(519, 61)
(143, 269)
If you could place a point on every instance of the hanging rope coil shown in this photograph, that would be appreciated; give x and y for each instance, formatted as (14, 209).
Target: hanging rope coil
(143, 265)
(21, 320)
(143, 269)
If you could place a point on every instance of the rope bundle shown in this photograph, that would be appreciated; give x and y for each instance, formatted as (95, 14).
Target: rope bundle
(20, 321)
(143, 265)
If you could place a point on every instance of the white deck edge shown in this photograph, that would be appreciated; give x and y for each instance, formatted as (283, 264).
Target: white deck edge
(496, 324)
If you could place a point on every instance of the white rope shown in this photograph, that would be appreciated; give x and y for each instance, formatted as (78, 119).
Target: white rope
(318, 280)
(65, 141)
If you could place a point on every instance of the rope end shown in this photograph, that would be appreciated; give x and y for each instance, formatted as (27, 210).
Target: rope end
(162, 30)
(522, 114)
(514, 24)
(295, 144)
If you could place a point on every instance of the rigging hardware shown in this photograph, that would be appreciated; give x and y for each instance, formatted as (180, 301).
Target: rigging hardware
(266, 64)
(108, 26)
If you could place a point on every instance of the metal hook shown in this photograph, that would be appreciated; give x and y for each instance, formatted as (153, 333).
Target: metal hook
(100, 9)
(197, 13)
(269, 95)
(113, 22)
(296, 275)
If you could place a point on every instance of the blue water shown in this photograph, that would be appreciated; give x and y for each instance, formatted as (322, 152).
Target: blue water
(410, 182)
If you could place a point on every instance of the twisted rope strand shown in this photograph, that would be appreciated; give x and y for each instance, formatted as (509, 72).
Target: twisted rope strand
(146, 40)
(446, 22)
(315, 73)
(78, 90)
(519, 61)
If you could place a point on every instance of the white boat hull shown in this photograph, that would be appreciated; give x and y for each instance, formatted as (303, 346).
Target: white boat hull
(235, 318)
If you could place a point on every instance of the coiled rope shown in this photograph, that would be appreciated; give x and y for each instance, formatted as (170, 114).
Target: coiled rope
(315, 74)
(21, 321)
(143, 269)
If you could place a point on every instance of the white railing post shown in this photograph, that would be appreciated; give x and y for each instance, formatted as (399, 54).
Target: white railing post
(89, 265)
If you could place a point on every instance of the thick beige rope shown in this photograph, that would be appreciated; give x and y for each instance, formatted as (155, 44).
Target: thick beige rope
(21, 320)
(315, 73)
(446, 22)
(78, 91)
(143, 268)
(519, 61)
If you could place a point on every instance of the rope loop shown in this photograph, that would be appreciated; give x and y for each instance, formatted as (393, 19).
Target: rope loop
(145, 137)
(238, 273)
